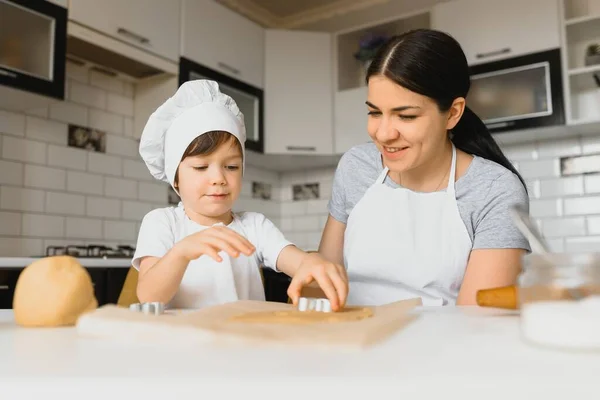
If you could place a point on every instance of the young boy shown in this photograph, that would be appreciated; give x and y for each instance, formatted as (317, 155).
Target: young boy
(200, 253)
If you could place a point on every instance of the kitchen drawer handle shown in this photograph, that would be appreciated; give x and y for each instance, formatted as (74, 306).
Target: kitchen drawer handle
(301, 148)
(7, 73)
(505, 50)
(4, 287)
(134, 36)
(228, 68)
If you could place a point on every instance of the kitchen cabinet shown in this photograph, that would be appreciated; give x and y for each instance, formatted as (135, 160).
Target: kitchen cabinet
(152, 25)
(221, 39)
(350, 119)
(107, 282)
(490, 30)
(298, 93)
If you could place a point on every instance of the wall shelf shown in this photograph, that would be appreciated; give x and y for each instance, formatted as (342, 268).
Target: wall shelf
(584, 70)
(582, 20)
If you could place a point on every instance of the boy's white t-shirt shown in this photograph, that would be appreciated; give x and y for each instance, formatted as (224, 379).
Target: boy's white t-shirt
(205, 281)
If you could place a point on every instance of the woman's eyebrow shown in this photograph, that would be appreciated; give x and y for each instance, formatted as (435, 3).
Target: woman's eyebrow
(395, 109)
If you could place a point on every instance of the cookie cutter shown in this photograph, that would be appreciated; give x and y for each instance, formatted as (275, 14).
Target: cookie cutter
(153, 308)
(314, 304)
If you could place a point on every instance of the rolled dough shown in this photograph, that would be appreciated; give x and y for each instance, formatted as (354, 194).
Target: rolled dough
(348, 314)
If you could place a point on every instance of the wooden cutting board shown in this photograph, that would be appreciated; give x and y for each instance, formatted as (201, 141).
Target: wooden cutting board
(214, 326)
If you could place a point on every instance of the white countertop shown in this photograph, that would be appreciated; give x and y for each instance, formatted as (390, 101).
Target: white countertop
(17, 262)
(446, 353)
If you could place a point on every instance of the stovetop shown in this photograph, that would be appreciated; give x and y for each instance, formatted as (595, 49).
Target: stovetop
(92, 251)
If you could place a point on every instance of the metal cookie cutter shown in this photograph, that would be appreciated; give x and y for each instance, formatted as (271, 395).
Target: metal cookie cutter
(154, 308)
(314, 304)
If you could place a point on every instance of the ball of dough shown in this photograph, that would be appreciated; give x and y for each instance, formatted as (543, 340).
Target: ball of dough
(53, 291)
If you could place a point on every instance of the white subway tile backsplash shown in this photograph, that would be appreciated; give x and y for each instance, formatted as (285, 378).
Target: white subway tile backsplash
(325, 189)
(317, 206)
(11, 173)
(119, 104)
(305, 223)
(286, 224)
(128, 89)
(20, 199)
(87, 95)
(582, 244)
(320, 175)
(37, 176)
(20, 247)
(77, 72)
(582, 205)
(121, 188)
(119, 230)
(106, 122)
(253, 173)
(137, 170)
(10, 223)
(45, 130)
(562, 187)
(128, 127)
(520, 152)
(39, 225)
(103, 207)
(67, 157)
(65, 203)
(70, 113)
(540, 168)
(84, 228)
(135, 210)
(103, 81)
(564, 227)
(591, 144)
(23, 150)
(593, 224)
(592, 183)
(122, 146)
(99, 163)
(546, 208)
(12, 123)
(556, 245)
(293, 208)
(81, 182)
(292, 178)
(559, 148)
(286, 193)
(153, 192)
(312, 240)
(533, 189)
(246, 190)
(41, 112)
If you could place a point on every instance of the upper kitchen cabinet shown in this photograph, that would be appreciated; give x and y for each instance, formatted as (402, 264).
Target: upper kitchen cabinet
(490, 30)
(151, 25)
(298, 93)
(33, 38)
(224, 41)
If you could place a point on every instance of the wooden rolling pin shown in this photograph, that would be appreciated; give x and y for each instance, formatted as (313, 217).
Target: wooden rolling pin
(500, 297)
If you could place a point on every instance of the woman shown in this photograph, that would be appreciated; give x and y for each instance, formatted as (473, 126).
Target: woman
(423, 210)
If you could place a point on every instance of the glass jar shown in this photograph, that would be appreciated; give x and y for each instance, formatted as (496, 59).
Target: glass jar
(559, 276)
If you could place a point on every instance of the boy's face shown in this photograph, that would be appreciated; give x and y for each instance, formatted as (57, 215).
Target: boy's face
(209, 185)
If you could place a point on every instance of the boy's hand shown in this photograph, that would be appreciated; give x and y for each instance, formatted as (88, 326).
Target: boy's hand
(332, 280)
(213, 240)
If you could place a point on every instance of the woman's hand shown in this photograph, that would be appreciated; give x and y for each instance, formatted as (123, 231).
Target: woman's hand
(211, 241)
(332, 280)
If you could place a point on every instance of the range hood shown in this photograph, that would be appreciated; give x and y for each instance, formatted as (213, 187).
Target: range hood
(85, 44)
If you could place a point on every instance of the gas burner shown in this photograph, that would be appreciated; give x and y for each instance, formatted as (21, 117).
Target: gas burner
(91, 251)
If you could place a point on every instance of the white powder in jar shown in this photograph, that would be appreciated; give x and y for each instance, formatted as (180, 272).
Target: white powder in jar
(564, 324)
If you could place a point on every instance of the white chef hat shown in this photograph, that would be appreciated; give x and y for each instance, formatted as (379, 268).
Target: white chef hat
(196, 108)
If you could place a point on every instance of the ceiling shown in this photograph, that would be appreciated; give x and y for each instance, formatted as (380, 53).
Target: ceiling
(321, 15)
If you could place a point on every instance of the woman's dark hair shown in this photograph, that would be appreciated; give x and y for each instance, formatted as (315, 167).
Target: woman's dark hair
(205, 145)
(433, 64)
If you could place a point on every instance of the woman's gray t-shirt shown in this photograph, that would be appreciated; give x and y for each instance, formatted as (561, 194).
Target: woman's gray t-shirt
(485, 194)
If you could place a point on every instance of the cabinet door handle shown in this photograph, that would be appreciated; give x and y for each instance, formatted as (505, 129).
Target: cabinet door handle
(301, 148)
(7, 73)
(4, 287)
(505, 50)
(133, 35)
(228, 68)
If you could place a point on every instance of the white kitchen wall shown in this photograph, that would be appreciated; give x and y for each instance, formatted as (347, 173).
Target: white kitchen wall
(52, 194)
(567, 209)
